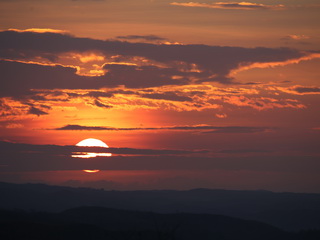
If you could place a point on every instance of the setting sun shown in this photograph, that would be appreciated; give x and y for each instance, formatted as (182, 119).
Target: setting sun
(91, 142)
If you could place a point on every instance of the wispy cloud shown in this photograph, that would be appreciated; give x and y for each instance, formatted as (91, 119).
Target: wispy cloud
(39, 30)
(231, 5)
(29, 157)
(299, 90)
(37, 150)
(202, 128)
(142, 37)
(296, 37)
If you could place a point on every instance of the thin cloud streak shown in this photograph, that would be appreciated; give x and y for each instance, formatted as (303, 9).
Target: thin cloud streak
(142, 37)
(298, 90)
(204, 128)
(29, 157)
(231, 5)
(56, 150)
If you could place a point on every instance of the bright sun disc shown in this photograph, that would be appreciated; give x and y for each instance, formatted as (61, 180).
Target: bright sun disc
(91, 142)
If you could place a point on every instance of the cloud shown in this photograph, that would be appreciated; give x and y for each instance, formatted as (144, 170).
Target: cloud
(222, 115)
(167, 96)
(88, 0)
(99, 104)
(133, 151)
(295, 37)
(262, 103)
(142, 37)
(39, 30)
(143, 76)
(67, 150)
(236, 151)
(34, 76)
(231, 5)
(86, 128)
(14, 125)
(240, 129)
(299, 90)
(112, 62)
(176, 98)
(36, 111)
(29, 157)
(307, 89)
(41, 67)
(202, 128)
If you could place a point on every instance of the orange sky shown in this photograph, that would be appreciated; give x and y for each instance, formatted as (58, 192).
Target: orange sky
(238, 81)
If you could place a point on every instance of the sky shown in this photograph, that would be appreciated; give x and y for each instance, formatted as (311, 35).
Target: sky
(186, 95)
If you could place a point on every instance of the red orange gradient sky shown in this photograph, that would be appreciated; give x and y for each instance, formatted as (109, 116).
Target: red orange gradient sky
(186, 94)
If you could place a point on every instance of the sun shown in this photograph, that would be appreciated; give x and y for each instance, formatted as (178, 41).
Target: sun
(91, 142)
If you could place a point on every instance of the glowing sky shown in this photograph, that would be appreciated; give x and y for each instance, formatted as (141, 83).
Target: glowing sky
(186, 94)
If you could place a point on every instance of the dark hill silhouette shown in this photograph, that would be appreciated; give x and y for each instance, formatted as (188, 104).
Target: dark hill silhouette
(289, 211)
(104, 223)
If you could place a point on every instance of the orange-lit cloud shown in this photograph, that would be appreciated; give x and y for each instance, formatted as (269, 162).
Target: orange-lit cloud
(296, 37)
(231, 5)
(263, 103)
(222, 115)
(298, 90)
(14, 125)
(39, 30)
(178, 98)
(274, 64)
(96, 77)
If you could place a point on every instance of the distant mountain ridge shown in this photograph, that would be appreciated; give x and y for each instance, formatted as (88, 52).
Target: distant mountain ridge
(104, 223)
(289, 211)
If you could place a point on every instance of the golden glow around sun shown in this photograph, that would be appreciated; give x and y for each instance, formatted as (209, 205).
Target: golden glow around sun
(91, 142)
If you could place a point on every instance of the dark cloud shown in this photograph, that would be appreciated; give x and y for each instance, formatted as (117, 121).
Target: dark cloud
(34, 149)
(307, 89)
(19, 78)
(79, 127)
(133, 151)
(236, 151)
(231, 5)
(28, 157)
(98, 94)
(142, 37)
(100, 104)
(171, 96)
(6, 110)
(203, 128)
(237, 129)
(36, 111)
(143, 76)
(198, 63)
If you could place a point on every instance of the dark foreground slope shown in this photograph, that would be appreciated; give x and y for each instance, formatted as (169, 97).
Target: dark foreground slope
(289, 211)
(104, 223)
